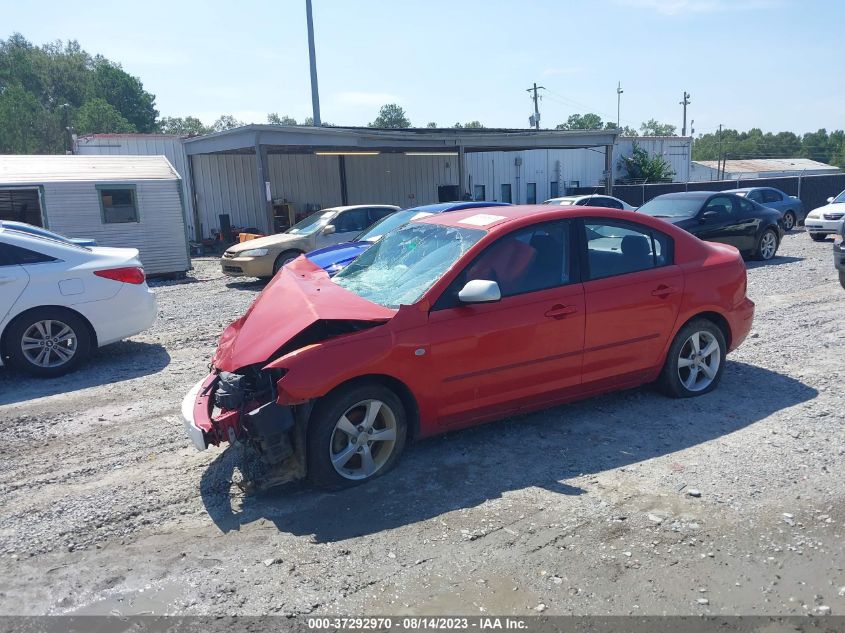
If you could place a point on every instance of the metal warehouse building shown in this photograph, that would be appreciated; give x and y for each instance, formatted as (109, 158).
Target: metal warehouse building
(123, 201)
(263, 177)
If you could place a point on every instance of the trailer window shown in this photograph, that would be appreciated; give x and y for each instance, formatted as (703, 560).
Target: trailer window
(118, 204)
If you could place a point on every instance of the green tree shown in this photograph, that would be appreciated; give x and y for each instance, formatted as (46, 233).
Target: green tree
(472, 125)
(587, 121)
(125, 92)
(226, 122)
(391, 115)
(182, 126)
(20, 117)
(274, 119)
(654, 128)
(63, 87)
(431, 124)
(97, 116)
(642, 167)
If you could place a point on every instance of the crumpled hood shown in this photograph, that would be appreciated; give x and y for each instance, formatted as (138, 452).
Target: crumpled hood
(340, 255)
(298, 296)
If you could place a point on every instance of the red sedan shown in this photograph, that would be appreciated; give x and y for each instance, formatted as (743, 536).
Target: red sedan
(461, 318)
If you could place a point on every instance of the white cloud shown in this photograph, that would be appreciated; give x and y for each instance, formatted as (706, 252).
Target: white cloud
(374, 99)
(680, 7)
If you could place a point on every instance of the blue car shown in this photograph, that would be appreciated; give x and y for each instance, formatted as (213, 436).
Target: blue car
(333, 259)
(23, 227)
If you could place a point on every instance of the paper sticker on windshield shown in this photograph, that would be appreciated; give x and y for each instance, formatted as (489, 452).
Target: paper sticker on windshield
(481, 219)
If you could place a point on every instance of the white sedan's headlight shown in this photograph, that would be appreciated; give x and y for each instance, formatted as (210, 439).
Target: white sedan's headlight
(253, 252)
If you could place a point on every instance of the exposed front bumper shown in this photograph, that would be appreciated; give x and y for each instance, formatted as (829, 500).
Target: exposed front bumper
(247, 266)
(822, 226)
(195, 414)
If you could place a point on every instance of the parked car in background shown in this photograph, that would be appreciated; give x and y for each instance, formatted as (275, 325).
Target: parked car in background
(755, 230)
(58, 301)
(264, 256)
(826, 220)
(607, 202)
(335, 258)
(791, 207)
(463, 317)
(40, 231)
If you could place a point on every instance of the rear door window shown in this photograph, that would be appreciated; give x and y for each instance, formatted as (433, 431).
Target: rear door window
(770, 195)
(11, 254)
(618, 248)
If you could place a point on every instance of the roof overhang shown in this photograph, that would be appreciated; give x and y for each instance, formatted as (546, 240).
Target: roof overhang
(305, 140)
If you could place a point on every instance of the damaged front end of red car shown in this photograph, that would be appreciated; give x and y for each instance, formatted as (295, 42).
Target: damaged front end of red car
(242, 400)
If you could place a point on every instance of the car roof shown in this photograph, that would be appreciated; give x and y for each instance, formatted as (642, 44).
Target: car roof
(357, 206)
(440, 207)
(498, 219)
(692, 195)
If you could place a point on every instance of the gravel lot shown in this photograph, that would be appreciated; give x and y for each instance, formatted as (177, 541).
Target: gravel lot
(631, 503)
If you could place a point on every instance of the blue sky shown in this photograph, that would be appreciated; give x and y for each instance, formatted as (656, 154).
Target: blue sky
(775, 64)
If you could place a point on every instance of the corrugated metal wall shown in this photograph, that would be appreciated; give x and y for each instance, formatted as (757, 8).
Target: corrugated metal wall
(227, 183)
(406, 181)
(73, 208)
(146, 145)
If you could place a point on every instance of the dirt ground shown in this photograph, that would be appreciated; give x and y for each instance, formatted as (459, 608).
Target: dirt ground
(732, 503)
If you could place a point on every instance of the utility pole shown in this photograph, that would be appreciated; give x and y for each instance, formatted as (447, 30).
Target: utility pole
(685, 103)
(619, 92)
(315, 92)
(536, 105)
(719, 170)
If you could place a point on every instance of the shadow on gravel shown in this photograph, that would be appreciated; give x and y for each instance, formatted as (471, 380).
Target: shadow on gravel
(119, 361)
(464, 469)
(252, 285)
(776, 261)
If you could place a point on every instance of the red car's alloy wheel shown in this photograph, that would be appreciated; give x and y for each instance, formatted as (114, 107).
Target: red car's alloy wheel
(363, 439)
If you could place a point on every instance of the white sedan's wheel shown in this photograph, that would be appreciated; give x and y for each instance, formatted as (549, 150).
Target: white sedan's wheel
(49, 343)
(698, 361)
(363, 439)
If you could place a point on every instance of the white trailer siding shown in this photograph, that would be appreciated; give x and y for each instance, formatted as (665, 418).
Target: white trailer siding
(71, 202)
(166, 145)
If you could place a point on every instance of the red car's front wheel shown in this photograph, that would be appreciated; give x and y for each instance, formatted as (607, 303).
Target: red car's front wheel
(355, 434)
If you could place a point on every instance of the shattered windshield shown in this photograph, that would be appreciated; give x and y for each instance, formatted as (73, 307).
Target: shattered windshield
(402, 266)
(375, 232)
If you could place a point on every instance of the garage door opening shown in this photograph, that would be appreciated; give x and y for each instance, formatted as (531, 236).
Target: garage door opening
(21, 205)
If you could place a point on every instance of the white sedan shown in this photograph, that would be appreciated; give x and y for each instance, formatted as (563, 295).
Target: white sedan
(59, 301)
(606, 202)
(826, 220)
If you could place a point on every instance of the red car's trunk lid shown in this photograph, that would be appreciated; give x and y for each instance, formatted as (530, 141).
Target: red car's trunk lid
(298, 296)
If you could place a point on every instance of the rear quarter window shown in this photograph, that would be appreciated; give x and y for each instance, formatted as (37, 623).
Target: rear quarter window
(11, 255)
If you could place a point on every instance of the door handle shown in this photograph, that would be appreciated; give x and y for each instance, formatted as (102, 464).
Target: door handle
(663, 291)
(560, 311)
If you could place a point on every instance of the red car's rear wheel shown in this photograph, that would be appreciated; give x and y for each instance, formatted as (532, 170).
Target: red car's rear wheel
(695, 361)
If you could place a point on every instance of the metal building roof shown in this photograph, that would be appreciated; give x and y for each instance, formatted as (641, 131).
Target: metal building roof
(760, 165)
(37, 169)
(301, 139)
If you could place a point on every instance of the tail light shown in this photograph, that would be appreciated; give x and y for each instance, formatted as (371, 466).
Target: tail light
(129, 275)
